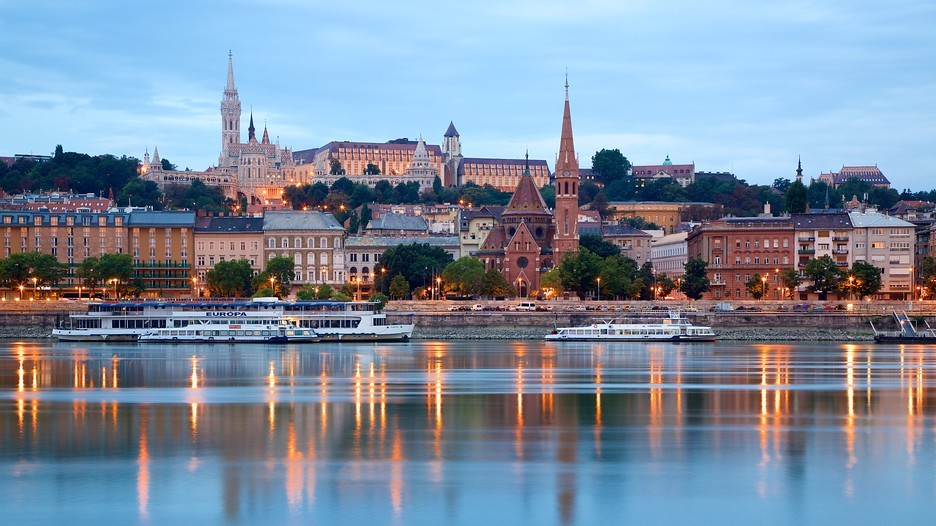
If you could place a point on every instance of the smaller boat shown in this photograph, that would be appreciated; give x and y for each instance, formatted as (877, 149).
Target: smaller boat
(674, 328)
(907, 332)
(246, 327)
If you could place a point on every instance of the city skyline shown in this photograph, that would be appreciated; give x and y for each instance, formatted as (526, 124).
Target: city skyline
(729, 86)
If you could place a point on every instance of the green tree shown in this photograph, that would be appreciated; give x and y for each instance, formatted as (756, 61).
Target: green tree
(552, 281)
(418, 263)
(334, 167)
(399, 287)
(791, 281)
(824, 274)
(619, 278)
(781, 184)
(306, 293)
(579, 272)
(595, 244)
(380, 298)
(230, 279)
(325, 292)
(665, 284)
(138, 192)
(464, 277)
(864, 279)
(756, 286)
(278, 275)
(372, 169)
(610, 165)
(87, 273)
(695, 282)
(495, 285)
(796, 198)
(31, 268)
(116, 270)
(928, 276)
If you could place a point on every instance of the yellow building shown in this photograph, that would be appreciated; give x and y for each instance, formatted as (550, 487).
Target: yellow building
(666, 215)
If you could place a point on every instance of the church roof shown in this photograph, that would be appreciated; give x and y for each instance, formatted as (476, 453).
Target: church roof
(527, 199)
(295, 220)
(494, 242)
(451, 131)
(398, 222)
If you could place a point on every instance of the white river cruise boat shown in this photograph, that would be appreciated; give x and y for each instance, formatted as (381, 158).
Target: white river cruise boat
(674, 328)
(329, 320)
(236, 326)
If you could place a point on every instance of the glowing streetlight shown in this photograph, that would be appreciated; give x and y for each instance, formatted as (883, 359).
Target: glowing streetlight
(911, 283)
(439, 287)
(764, 286)
(273, 284)
(35, 287)
(194, 286)
(21, 287)
(599, 288)
(115, 280)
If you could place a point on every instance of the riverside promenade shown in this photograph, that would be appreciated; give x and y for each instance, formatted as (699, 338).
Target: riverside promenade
(752, 321)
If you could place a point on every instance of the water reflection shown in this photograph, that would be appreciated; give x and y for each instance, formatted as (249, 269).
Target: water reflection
(450, 426)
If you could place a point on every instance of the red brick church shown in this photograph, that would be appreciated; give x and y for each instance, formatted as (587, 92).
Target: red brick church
(531, 239)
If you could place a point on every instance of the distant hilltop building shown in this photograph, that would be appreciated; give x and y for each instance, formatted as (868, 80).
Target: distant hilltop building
(868, 174)
(684, 174)
(255, 170)
(403, 161)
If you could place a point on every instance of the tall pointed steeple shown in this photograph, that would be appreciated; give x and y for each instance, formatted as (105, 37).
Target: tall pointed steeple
(230, 117)
(251, 131)
(230, 76)
(799, 169)
(566, 212)
(266, 136)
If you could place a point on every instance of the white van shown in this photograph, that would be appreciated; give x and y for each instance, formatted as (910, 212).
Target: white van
(526, 306)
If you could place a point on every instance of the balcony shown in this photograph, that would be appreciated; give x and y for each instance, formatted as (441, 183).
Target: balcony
(840, 238)
(806, 239)
(806, 251)
(840, 251)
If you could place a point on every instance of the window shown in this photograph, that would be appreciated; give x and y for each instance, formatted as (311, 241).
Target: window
(786, 243)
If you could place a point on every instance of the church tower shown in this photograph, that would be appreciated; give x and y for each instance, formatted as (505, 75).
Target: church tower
(451, 153)
(567, 181)
(230, 117)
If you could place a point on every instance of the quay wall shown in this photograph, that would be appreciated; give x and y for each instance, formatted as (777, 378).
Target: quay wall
(433, 320)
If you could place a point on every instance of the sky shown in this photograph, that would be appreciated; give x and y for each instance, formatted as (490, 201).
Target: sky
(732, 85)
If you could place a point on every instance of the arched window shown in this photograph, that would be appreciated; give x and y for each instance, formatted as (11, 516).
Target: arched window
(297, 242)
(272, 242)
(310, 258)
(298, 259)
(323, 242)
(310, 243)
(337, 243)
(284, 242)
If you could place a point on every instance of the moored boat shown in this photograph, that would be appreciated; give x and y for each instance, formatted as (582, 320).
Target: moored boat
(674, 328)
(328, 320)
(907, 332)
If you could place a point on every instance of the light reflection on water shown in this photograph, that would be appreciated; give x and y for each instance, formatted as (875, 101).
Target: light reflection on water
(467, 432)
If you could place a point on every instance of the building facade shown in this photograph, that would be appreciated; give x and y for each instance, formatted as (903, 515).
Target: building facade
(666, 215)
(220, 239)
(737, 248)
(669, 254)
(684, 174)
(314, 240)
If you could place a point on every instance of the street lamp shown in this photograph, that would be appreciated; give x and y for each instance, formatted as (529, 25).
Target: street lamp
(599, 288)
(115, 287)
(520, 287)
(273, 284)
(79, 292)
(764, 287)
(35, 287)
(911, 283)
(194, 286)
(358, 280)
(439, 286)
(21, 287)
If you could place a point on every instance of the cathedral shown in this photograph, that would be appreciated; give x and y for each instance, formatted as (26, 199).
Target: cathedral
(256, 170)
(530, 239)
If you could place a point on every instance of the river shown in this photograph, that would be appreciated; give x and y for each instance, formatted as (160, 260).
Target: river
(467, 432)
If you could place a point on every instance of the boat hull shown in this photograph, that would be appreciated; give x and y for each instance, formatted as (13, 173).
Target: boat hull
(919, 340)
(613, 338)
(70, 335)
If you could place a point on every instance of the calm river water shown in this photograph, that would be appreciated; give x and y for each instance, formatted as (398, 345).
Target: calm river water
(492, 432)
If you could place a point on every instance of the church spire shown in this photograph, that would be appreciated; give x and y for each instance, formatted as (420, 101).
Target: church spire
(266, 136)
(230, 76)
(799, 169)
(251, 131)
(567, 164)
(565, 215)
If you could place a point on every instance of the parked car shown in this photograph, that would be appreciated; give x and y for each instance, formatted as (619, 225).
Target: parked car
(477, 307)
(527, 306)
(801, 307)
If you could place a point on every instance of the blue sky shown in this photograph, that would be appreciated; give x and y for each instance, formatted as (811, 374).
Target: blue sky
(731, 85)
